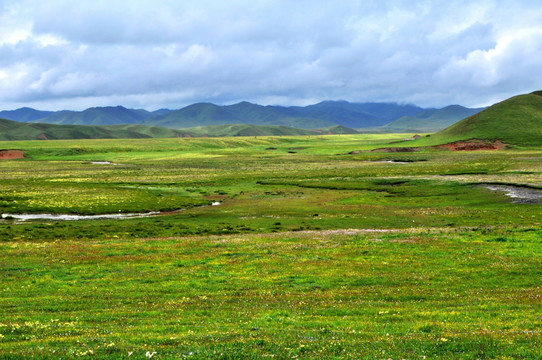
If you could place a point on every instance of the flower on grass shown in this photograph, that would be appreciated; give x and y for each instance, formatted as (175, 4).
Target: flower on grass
(149, 354)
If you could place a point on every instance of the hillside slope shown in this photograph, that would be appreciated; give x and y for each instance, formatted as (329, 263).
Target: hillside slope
(244, 130)
(12, 130)
(515, 121)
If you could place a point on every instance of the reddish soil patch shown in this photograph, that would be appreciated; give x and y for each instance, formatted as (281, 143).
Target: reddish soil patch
(397, 149)
(472, 145)
(42, 136)
(11, 154)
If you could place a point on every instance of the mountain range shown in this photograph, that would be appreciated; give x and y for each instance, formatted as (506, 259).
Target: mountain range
(431, 120)
(516, 122)
(388, 117)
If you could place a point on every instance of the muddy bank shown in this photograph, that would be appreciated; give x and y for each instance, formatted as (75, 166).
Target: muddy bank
(11, 154)
(518, 194)
(472, 145)
(397, 149)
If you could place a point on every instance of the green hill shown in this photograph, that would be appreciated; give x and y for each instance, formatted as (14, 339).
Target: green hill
(259, 130)
(431, 120)
(12, 130)
(516, 121)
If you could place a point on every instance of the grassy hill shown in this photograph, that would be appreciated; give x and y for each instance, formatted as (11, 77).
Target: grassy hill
(12, 130)
(243, 130)
(515, 121)
(431, 120)
(260, 130)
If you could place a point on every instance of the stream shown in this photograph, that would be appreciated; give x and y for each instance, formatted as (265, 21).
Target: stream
(72, 217)
(518, 194)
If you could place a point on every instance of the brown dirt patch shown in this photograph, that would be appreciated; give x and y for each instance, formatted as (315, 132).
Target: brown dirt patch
(397, 149)
(472, 145)
(42, 136)
(11, 154)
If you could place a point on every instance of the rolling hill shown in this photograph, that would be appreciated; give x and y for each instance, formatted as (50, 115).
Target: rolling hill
(245, 130)
(12, 130)
(515, 121)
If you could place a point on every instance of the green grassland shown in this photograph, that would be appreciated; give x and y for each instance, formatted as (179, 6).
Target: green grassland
(320, 248)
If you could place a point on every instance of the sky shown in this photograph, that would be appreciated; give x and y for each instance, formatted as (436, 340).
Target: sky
(65, 54)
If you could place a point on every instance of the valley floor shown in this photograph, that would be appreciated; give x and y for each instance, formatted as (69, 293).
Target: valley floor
(314, 252)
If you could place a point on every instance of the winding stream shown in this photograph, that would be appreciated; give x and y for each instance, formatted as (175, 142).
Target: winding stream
(72, 217)
(519, 194)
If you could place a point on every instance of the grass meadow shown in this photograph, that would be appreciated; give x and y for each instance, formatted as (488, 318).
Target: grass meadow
(320, 249)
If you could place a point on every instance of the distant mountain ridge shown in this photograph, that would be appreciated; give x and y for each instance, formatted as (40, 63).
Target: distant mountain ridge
(387, 116)
(431, 120)
(25, 114)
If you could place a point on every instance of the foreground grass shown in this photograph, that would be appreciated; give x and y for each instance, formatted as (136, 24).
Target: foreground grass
(463, 294)
(449, 269)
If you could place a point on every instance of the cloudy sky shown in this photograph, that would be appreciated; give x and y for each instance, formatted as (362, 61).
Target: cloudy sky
(65, 54)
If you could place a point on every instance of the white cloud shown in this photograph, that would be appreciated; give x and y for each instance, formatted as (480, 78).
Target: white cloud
(171, 53)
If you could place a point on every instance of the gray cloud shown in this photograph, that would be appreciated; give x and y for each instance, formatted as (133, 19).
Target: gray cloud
(171, 53)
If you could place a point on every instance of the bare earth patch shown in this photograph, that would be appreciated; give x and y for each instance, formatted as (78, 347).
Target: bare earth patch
(471, 145)
(11, 154)
(397, 149)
